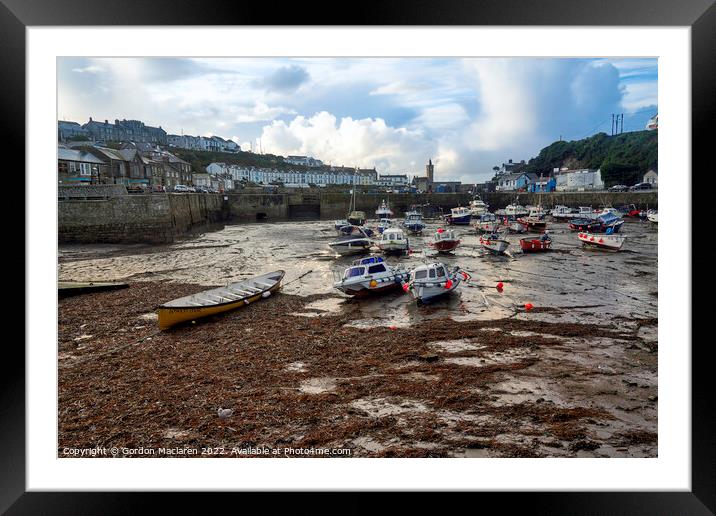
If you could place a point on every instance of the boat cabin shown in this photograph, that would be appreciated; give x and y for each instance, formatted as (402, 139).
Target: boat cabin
(393, 235)
(356, 271)
(444, 234)
(432, 271)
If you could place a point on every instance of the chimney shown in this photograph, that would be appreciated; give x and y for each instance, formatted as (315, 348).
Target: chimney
(106, 121)
(90, 119)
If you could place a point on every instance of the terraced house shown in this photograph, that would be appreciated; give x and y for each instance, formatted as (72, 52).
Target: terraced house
(125, 131)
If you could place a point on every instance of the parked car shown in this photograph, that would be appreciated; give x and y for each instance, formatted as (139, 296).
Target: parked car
(641, 186)
(181, 188)
(159, 188)
(201, 189)
(619, 188)
(136, 189)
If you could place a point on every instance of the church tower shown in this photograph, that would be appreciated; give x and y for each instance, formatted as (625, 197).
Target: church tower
(430, 170)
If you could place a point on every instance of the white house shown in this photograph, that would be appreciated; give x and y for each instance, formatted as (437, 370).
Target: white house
(579, 180)
(651, 177)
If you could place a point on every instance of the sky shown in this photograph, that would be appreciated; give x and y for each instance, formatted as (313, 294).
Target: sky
(466, 114)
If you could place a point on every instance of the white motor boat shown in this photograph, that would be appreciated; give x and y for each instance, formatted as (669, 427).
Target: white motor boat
(608, 242)
(370, 275)
(536, 212)
(608, 210)
(357, 242)
(512, 211)
(414, 222)
(478, 206)
(393, 240)
(563, 212)
(486, 223)
(652, 216)
(338, 224)
(384, 224)
(494, 243)
(384, 211)
(585, 212)
(433, 280)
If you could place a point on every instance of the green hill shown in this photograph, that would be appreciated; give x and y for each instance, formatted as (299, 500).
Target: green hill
(623, 158)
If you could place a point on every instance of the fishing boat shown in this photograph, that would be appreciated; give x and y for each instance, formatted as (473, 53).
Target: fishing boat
(585, 212)
(393, 240)
(486, 223)
(515, 227)
(607, 210)
(584, 224)
(350, 229)
(478, 206)
(536, 245)
(562, 212)
(494, 243)
(533, 223)
(630, 210)
(459, 216)
(610, 242)
(384, 211)
(513, 211)
(444, 241)
(433, 280)
(652, 216)
(219, 300)
(384, 224)
(358, 242)
(370, 276)
(536, 212)
(340, 223)
(608, 221)
(414, 222)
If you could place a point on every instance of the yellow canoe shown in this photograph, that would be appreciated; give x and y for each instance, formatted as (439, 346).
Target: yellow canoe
(218, 300)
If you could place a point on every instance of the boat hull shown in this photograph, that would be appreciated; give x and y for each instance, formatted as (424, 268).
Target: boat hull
(445, 246)
(494, 246)
(170, 316)
(426, 292)
(535, 245)
(393, 247)
(604, 242)
(462, 220)
(363, 288)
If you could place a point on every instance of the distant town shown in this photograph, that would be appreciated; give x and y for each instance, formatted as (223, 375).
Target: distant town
(148, 159)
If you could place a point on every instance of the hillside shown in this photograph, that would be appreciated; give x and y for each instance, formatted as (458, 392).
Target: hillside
(623, 158)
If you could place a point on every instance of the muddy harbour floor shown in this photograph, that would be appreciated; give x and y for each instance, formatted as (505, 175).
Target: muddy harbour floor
(471, 375)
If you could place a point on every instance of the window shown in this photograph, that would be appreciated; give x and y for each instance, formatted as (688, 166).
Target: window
(62, 167)
(432, 273)
(376, 268)
(355, 271)
(441, 272)
(421, 274)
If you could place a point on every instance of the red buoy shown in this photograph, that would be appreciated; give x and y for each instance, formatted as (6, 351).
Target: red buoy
(500, 286)
(529, 306)
(448, 283)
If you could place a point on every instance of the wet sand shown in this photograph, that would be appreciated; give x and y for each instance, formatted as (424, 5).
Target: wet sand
(473, 375)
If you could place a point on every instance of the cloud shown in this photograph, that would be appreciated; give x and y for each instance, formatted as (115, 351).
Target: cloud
(261, 112)
(89, 69)
(286, 79)
(364, 142)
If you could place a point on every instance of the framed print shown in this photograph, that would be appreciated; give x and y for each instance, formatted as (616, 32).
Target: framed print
(417, 254)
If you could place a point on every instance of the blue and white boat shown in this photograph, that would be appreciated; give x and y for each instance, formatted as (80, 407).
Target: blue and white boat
(486, 223)
(414, 222)
(609, 221)
(433, 280)
(384, 224)
(371, 275)
(459, 216)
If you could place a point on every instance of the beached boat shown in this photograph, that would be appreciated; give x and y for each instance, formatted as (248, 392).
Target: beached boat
(562, 212)
(357, 218)
(433, 280)
(585, 212)
(358, 242)
(414, 222)
(652, 216)
(74, 288)
(533, 223)
(609, 222)
(370, 276)
(340, 223)
(514, 227)
(444, 241)
(218, 300)
(584, 224)
(536, 211)
(384, 211)
(536, 245)
(459, 216)
(384, 224)
(608, 210)
(494, 243)
(513, 211)
(486, 223)
(602, 241)
(393, 240)
(478, 206)
(630, 210)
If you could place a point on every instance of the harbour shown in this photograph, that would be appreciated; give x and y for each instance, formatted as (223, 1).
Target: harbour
(560, 360)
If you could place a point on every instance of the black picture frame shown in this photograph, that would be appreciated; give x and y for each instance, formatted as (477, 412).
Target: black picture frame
(700, 15)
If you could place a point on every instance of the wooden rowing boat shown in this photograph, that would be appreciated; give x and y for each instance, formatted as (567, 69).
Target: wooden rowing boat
(218, 300)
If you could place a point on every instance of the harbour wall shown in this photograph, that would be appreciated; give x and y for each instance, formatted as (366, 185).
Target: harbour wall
(137, 218)
(162, 218)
